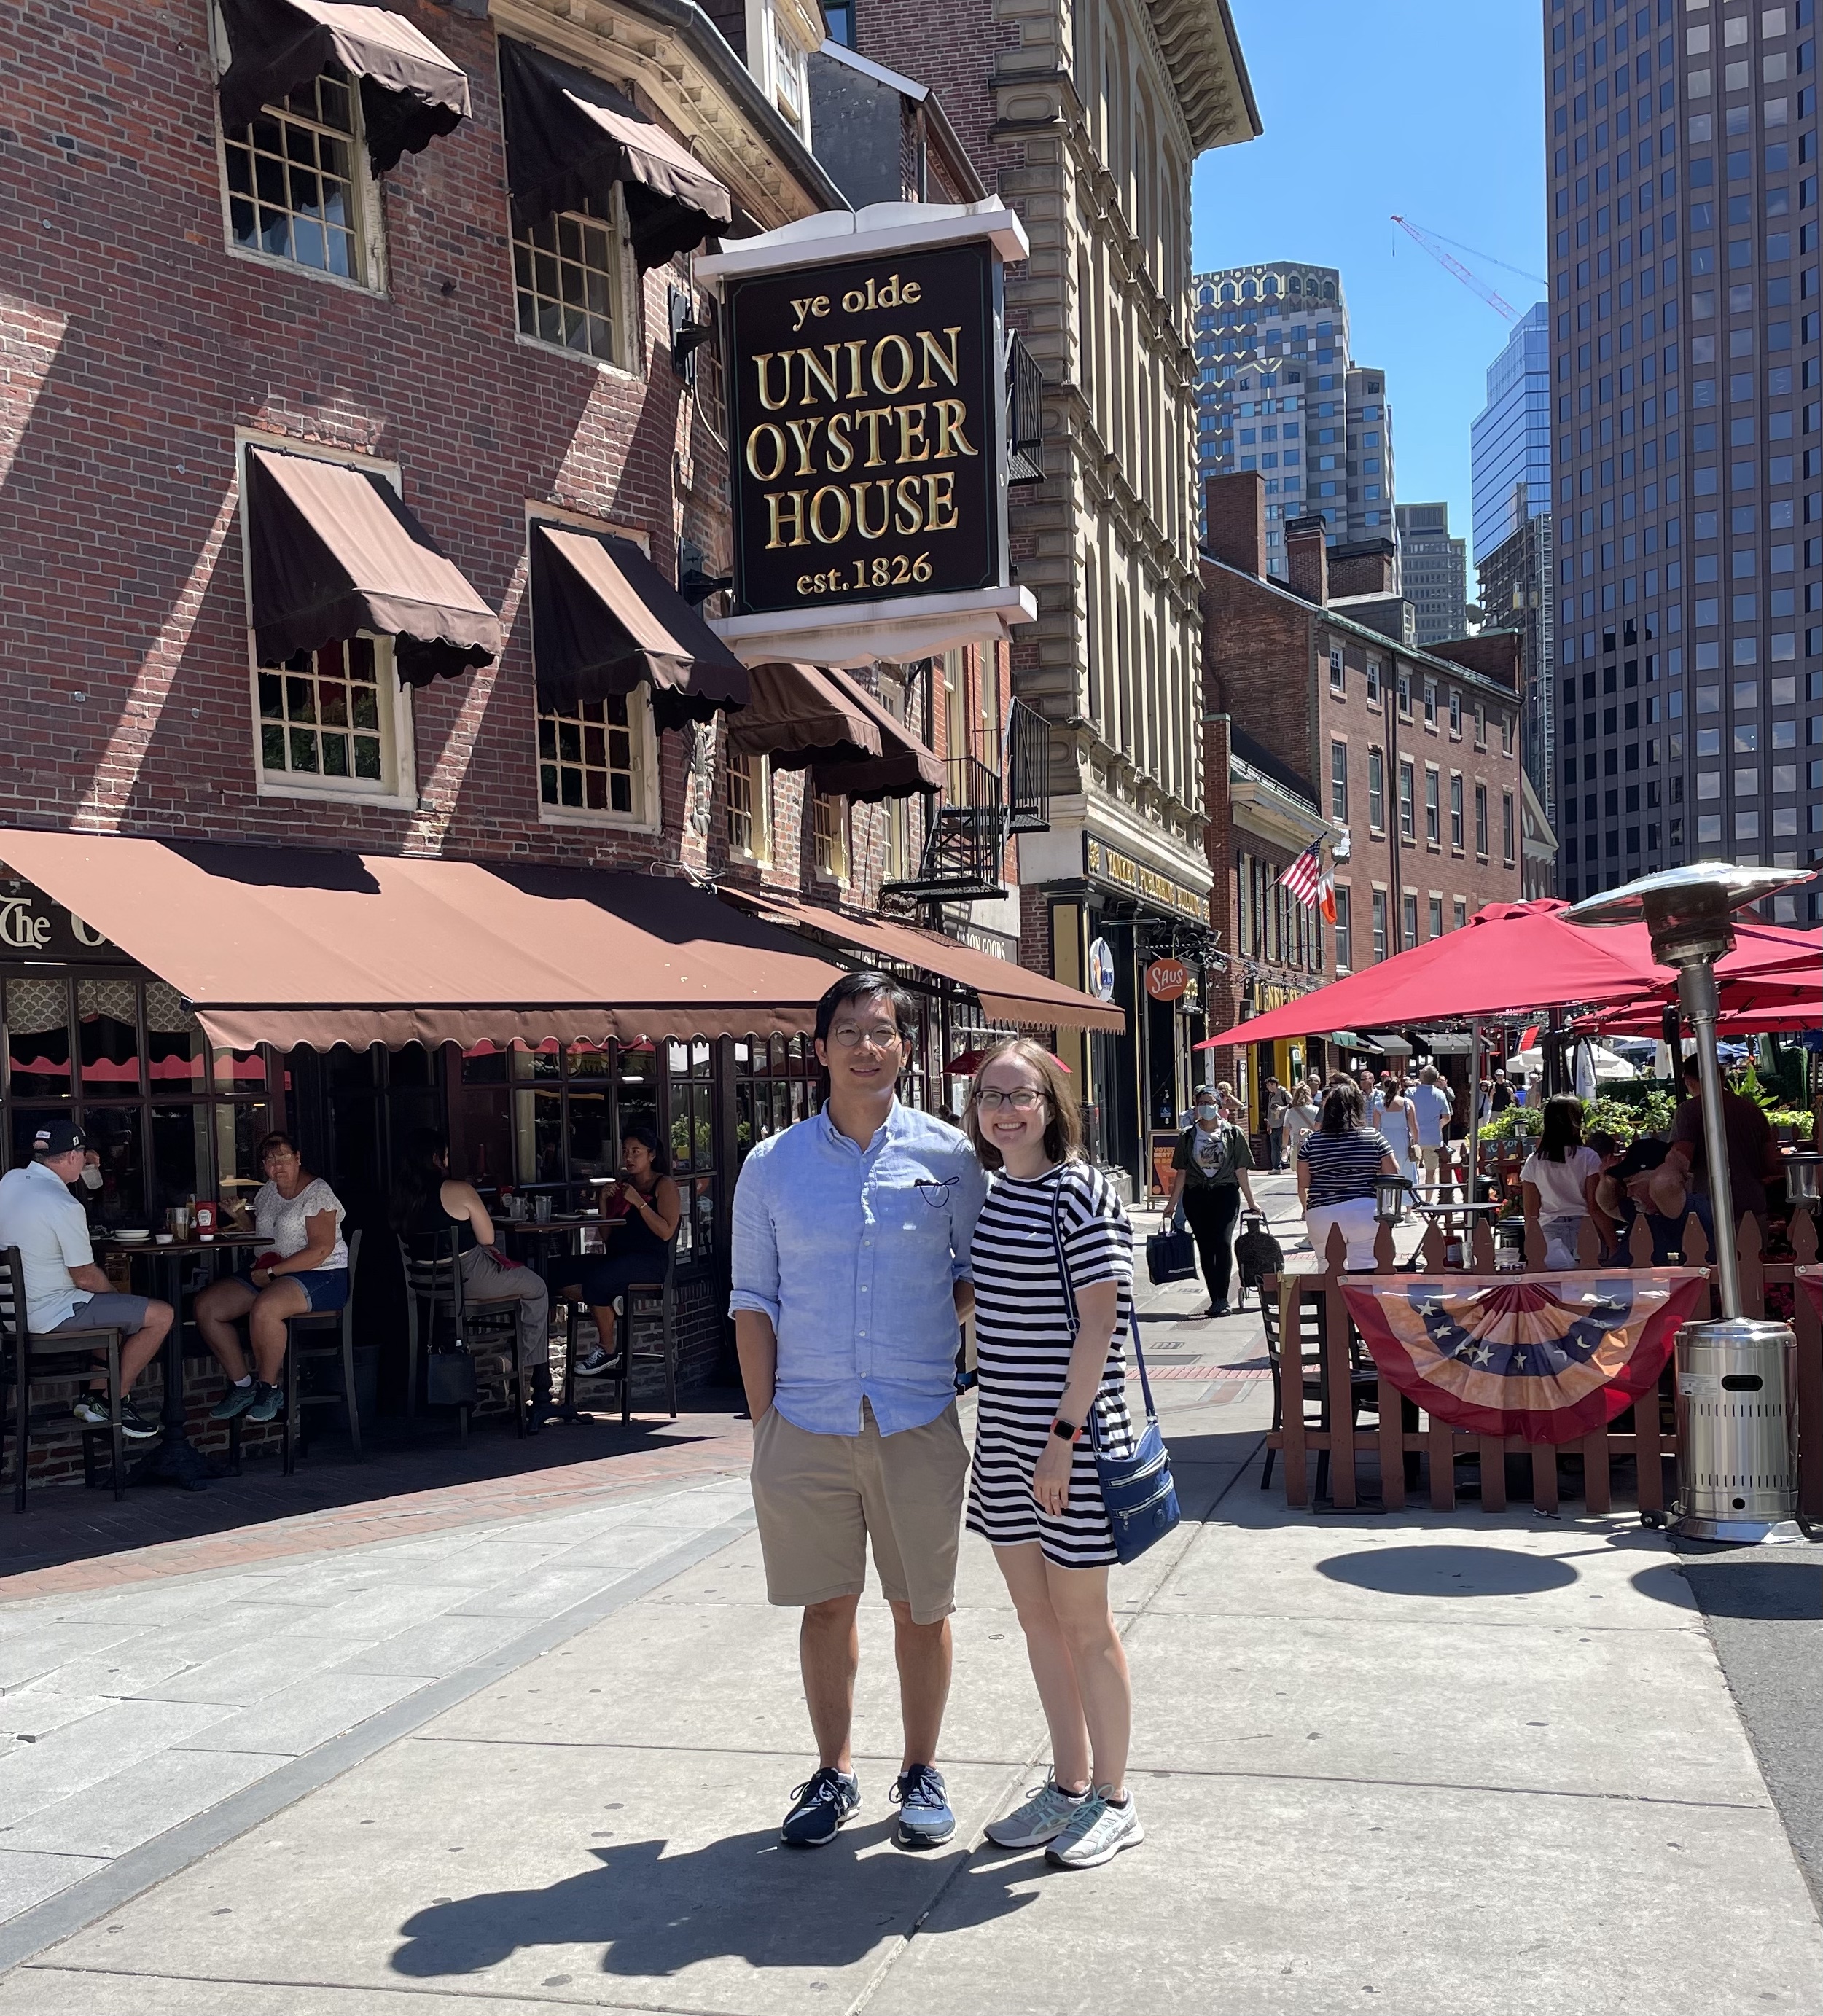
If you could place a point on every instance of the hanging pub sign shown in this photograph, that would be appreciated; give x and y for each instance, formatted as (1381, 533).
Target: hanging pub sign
(865, 368)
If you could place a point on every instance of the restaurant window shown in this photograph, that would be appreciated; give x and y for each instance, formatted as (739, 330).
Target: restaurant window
(1507, 838)
(1379, 923)
(1481, 820)
(1455, 712)
(1344, 936)
(1338, 781)
(1376, 791)
(689, 1115)
(1407, 800)
(830, 835)
(173, 1117)
(569, 274)
(1436, 916)
(330, 715)
(592, 756)
(298, 185)
(1430, 703)
(777, 1082)
(1407, 922)
(1456, 808)
(749, 808)
(1433, 807)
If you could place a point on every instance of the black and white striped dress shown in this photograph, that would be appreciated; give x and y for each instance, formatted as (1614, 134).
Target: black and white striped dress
(1023, 1345)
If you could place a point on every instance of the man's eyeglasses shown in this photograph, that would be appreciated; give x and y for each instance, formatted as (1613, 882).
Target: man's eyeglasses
(849, 1036)
(1024, 1100)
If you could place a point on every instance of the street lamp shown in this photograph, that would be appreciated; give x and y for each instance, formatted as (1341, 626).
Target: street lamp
(1736, 1453)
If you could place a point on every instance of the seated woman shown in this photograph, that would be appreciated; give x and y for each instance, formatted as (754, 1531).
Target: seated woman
(638, 1251)
(428, 1202)
(304, 1272)
(1646, 1182)
(1558, 1180)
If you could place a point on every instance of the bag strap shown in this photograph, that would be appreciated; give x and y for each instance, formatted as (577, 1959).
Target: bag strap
(1075, 1321)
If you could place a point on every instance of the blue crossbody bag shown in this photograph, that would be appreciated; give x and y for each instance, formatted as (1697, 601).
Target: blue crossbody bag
(1137, 1490)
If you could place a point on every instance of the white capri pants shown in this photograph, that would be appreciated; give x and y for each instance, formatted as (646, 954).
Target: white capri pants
(1359, 1227)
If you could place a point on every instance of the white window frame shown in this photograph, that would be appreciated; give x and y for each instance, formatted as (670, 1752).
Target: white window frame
(758, 771)
(398, 792)
(369, 215)
(628, 296)
(647, 815)
(837, 873)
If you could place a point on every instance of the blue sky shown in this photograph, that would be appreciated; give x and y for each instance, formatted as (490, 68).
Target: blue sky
(1430, 108)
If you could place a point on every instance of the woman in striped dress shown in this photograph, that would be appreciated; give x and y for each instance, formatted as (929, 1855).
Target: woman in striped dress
(1033, 1491)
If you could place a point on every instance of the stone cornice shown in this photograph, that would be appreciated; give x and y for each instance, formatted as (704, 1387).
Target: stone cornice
(1202, 54)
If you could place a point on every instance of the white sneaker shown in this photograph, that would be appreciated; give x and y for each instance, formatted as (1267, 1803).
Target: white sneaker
(1096, 1833)
(1047, 1811)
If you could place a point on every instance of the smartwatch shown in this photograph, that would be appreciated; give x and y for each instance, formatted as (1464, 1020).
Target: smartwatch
(1065, 1432)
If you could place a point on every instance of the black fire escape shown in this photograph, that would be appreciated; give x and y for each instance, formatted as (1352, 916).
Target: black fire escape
(996, 789)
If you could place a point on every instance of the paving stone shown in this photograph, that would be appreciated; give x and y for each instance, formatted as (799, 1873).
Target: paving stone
(27, 1879)
(297, 1718)
(84, 1753)
(115, 1814)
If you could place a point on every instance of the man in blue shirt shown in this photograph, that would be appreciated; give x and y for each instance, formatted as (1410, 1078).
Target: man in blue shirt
(851, 1240)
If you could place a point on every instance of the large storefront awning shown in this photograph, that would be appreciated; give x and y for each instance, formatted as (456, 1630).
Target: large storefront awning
(572, 139)
(605, 621)
(282, 946)
(1007, 992)
(410, 90)
(333, 552)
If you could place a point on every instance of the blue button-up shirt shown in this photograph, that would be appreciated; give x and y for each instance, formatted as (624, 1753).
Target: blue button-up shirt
(853, 1252)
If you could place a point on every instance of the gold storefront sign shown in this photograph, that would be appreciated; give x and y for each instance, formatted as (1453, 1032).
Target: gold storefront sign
(1103, 864)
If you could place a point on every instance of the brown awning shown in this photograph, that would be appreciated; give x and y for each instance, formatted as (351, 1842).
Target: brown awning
(410, 90)
(280, 945)
(798, 715)
(905, 766)
(333, 552)
(604, 619)
(1009, 993)
(571, 138)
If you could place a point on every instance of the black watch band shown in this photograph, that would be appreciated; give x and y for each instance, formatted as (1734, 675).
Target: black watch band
(1065, 1432)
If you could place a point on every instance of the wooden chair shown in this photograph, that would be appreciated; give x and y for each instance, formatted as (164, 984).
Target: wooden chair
(434, 1294)
(34, 1358)
(1364, 1380)
(638, 1301)
(326, 1335)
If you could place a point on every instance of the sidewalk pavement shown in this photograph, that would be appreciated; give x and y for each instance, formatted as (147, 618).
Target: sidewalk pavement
(1480, 1763)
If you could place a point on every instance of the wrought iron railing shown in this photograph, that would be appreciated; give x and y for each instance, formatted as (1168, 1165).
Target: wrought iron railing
(1025, 414)
(993, 788)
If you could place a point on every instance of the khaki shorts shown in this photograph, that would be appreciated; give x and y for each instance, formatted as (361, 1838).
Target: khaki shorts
(822, 1498)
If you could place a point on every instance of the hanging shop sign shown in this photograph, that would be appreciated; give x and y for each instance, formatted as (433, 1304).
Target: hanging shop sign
(1167, 980)
(865, 368)
(1102, 968)
(1101, 863)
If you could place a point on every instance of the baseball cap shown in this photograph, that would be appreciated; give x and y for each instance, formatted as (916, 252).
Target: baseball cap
(58, 1137)
(1643, 1154)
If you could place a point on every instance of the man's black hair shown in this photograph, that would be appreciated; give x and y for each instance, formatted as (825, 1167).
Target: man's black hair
(867, 985)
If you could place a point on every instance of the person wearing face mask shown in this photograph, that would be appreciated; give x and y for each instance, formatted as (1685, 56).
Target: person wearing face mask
(1209, 1177)
(64, 1289)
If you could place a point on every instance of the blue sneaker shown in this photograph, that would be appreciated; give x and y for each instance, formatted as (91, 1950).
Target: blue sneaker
(826, 1803)
(924, 1817)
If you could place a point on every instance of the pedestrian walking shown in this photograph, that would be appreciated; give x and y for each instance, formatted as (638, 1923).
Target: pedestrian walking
(1432, 1108)
(1052, 1237)
(1338, 1162)
(1395, 1118)
(850, 1271)
(1303, 1113)
(1209, 1177)
(1277, 1099)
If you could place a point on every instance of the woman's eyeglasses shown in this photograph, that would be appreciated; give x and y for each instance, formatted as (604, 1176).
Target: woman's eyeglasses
(1023, 1100)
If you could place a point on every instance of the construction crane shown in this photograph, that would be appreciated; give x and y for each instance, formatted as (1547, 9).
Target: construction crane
(1504, 309)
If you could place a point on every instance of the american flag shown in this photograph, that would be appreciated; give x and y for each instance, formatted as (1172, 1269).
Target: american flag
(1305, 878)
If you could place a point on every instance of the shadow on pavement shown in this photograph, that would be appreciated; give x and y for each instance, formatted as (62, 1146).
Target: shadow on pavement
(1773, 1591)
(746, 1898)
(1445, 1570)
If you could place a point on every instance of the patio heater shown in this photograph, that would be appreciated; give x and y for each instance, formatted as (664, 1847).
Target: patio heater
(1737, 1433)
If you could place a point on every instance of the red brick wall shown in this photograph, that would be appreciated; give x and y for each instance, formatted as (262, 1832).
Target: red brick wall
(1234, 520)
(1497, 654)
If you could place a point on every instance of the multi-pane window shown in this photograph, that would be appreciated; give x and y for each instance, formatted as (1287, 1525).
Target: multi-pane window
(788, 77)
(1338, 781)
(830, 834)
(902, 840)
(326, 713)
(1455, 809)
(1376, 791)
(1436, 916)
(1338, 675)
(1480, 727)
(1506, 735)
(1508, 823)
(1455, 712)
(749, 826)
(1430, 703)
(1407, 922)
(1373, 683)
(1458, 914)
(1344, 936)
(1481, 819)
(294, 172)
(1407, 800)
(1404, 693)
(588, 757)
(567, 270)
(1379, 923)
(1433, 809)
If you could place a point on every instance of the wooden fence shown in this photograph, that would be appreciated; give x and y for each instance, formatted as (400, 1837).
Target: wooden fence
(1645, 1435)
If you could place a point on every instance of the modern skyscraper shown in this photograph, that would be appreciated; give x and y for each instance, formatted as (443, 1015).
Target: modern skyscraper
(1509, 453)
(1682, 141)
(1433, 571)
(1278, 391)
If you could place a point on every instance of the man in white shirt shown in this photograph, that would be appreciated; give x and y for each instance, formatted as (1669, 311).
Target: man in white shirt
(64, 1289)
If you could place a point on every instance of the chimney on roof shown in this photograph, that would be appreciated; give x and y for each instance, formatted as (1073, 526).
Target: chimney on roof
(1234, 517)
(1307, 558)
(1365, 567)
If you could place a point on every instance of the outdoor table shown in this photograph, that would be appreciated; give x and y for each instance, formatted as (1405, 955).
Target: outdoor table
(176, 1459)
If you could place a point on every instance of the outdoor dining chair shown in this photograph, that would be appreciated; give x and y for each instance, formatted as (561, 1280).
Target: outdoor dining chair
(434, 1296)
(315, 1337)
(1363, 1380)
(35, 1357)
(641, 1301)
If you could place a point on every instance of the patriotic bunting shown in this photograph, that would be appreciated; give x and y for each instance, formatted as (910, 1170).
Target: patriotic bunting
(1549, 1358)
